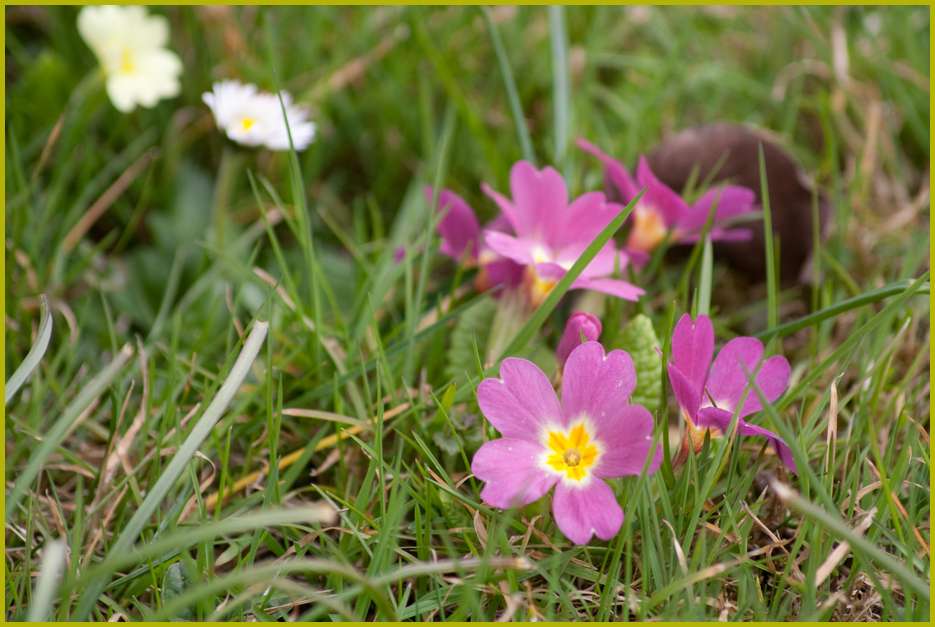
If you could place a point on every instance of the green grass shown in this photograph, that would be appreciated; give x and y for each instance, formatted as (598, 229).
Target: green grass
(162, 388)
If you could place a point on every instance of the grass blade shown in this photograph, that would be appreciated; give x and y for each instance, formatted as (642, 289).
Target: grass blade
(191, 535)
(705, 278)
(772, 288)
(561, 98)
(859, 542)
(832, 311)
(50, 571)
(35, 354)
(63, 425)
(180, 461)
(516, 107)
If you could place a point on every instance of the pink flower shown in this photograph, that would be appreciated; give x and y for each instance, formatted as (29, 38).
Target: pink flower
(709, 393)
(461, 240)
(592, 435)
(551, 234)
(662, 211)
(579, 324)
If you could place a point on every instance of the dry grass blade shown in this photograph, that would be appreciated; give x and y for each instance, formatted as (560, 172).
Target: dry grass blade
(834, 524)
(841, 550)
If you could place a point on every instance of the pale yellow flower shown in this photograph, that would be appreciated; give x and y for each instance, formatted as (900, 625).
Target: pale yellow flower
(131, 47)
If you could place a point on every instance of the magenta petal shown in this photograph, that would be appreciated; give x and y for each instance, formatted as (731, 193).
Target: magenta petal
(721, 419)
(583, 220)
(615, 172)
(733, 366)
(607, 260)
(596, 384)
(687, 394)
(626, 435)
(732, 201)
(779, 445)
(586, 511)
(503, 272)
(714, 417)
(717, 235)
(581, 323)
(692, 348)
(614, 287)
(772, 380)
(731, 235)
(659, 196)
(540, 199)
(506, 207)
(510, 247)
(458, 227)
(521, 401)
(512, 473)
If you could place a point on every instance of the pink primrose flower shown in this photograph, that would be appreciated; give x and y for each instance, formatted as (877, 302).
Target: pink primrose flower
(709, 393)
(591, 435)
(551, 233)
(662, 211)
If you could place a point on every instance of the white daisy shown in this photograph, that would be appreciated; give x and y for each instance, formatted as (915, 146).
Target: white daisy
(131, 47)
(254, 118)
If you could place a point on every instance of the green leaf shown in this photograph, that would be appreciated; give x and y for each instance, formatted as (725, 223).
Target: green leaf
(472, 329)
(639, 339)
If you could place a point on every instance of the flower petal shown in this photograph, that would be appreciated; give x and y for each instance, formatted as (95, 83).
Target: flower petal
(512, 473)
(692, 348)
(660, 196)
(779, 445)
(586, 511)
(507, 209)
(521, 401)
(626, 435)
(596, 384)
(732, 201)
(615, 172)
(540, 200)
(738, 360)
(518, 250)
(458, 228)
(720, 419)
(583, 220)
(614, 287)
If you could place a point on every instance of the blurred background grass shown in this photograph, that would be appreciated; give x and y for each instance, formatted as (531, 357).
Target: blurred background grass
(170, 260)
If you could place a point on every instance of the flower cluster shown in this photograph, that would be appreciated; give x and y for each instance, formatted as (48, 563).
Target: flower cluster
(140, 71)
(594, 433)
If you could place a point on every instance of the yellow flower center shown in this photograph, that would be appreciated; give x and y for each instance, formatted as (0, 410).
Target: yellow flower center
(247, 123)
(537, 287)
(571, 453)
(648, 229)
(127, 65)
(697, 434)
